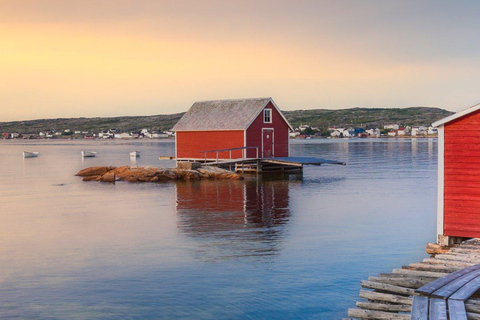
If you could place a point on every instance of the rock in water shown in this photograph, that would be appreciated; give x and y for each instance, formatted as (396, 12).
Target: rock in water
(151, 174)
(91, 178)
(108, 177)
(94, 171)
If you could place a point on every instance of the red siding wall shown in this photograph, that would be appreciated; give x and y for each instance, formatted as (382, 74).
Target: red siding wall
(254, 134)
(462, 177)
(190, 143)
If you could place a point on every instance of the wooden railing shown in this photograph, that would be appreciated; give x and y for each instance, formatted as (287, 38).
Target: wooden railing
(230, 152)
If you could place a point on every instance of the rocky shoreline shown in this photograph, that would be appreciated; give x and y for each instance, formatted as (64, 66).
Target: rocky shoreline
(152, 174)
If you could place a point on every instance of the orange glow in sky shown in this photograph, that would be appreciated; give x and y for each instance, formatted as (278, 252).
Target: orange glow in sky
(111, 58)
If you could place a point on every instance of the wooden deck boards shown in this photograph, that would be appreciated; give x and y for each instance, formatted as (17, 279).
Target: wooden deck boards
(263, 165)
(442, 287)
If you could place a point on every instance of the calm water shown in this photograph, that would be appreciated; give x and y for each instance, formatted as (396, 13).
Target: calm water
(254, 249)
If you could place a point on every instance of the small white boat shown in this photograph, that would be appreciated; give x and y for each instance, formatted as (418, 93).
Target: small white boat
(27, 154)
(88, 154)
(134, 154)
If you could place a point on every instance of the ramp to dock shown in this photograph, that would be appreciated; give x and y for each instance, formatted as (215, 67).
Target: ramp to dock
(304, 160)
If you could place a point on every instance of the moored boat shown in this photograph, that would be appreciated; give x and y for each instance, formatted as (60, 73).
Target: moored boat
(88, 154)
(134, 154)
(27, 154)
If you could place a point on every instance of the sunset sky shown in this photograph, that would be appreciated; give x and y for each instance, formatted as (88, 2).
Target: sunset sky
(143, 57)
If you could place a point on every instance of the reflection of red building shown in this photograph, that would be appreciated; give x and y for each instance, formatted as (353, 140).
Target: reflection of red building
(267, 203)
(251, 211)
(207, 206)
(228, 124)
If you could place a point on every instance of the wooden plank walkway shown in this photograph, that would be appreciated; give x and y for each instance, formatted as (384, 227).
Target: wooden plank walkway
(259, 165)
(305, 160)
(442, 287)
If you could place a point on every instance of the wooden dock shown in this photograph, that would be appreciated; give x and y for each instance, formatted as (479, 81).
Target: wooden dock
(256, 164)
(263, 165)
(391, 295)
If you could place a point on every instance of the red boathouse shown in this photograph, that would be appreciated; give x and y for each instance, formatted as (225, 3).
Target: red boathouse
(458, 205)
(231, 124)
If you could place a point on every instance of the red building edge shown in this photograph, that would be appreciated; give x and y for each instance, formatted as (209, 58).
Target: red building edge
(263, 139)
(458, 199)
(191, 144)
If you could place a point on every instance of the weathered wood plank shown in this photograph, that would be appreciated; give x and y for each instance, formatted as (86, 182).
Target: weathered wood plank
(469, 246)
(420, 308)
(451, 287)
(438, 309)
(433, 286)
(461, 255)
(449, 255)
(460, 258)
(457, 259)
(405, 275)
(473, 316)
(413, 282)
(420, 273)
(455, 274)
(466, 250)
(387, 297)
(433, 267)
(472, 307)
(384, 306)
(448, 262)
(456, 310)
(378, 315)
(467, 289)
(386, 287)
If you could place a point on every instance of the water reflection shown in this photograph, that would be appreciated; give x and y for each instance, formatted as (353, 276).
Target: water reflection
(414, 147)
(430, 148)
(233, 219)
(259, 250)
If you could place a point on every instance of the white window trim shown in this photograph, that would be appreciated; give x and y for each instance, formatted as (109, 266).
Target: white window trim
(441, 182)
(264, 115)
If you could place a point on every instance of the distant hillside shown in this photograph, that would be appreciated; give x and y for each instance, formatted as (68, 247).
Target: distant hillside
(321, 118)
(366, 117)
(158, 122)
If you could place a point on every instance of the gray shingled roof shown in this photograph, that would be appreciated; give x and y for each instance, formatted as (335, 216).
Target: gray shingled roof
(221, 115)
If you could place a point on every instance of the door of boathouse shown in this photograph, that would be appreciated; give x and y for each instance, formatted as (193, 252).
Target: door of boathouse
(267, 143)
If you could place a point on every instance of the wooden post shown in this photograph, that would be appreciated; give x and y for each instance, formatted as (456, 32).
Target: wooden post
(259, 165)
(243, 161)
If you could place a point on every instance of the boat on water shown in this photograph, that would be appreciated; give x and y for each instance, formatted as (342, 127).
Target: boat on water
(134, 154)
(27, 154)
(88, 154)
